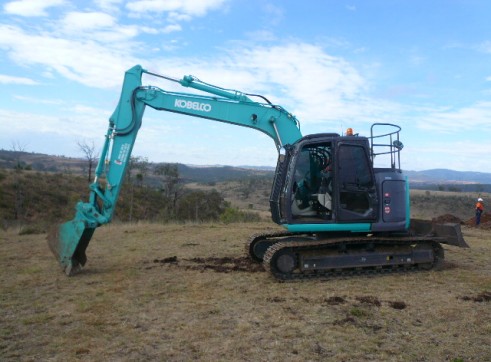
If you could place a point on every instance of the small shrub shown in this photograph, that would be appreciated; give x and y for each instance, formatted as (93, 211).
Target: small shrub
(358, 312)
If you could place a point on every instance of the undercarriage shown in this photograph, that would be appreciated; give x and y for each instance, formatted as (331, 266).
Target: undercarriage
(290, 256)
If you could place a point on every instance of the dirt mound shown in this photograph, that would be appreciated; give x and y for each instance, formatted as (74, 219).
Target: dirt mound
(485, 221)
(482, 297)
(447, 218)
(486, 225)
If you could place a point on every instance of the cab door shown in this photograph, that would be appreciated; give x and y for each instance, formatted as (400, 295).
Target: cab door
(355, 191)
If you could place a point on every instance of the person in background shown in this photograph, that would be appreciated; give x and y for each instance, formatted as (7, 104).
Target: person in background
(479, 210)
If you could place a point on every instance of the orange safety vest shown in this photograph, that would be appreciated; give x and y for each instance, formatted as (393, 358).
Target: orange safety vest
(480, 206)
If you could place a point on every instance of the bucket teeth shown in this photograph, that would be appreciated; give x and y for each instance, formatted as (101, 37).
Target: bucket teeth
(72, 269)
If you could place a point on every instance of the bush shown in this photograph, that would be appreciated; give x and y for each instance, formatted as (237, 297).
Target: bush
(200, 206)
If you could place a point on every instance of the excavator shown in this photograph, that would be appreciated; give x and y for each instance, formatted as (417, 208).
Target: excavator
(341, 213)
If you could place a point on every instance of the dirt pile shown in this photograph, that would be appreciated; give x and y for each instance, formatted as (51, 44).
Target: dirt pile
(447, 218)
(480, 298)
(485, 221)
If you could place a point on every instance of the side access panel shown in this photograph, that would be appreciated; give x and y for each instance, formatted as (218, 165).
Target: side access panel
(394, 212)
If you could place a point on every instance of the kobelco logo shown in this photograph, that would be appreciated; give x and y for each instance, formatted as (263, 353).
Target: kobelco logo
(197, 106)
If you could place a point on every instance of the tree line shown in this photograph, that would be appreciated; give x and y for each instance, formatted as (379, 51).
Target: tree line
(170, 200)
(35, 200)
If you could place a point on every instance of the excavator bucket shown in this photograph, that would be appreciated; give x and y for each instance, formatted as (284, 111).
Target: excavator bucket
(450, 233)
(68, 242)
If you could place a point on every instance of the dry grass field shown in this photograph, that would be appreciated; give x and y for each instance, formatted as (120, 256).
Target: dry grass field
(187, 292)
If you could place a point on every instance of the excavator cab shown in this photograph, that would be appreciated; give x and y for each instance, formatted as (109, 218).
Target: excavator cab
(327, 182)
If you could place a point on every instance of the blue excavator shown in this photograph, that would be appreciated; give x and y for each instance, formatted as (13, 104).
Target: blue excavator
(341, 214)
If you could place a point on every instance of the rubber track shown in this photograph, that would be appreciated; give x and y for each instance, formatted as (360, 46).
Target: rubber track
(336, 273)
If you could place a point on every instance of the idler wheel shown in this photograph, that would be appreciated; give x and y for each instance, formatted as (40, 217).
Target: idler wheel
(286, 262)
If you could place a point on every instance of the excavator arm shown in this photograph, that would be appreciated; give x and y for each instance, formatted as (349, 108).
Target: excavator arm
(69, 241)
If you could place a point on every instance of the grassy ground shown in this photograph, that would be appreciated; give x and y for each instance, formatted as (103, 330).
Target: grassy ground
(185, 292)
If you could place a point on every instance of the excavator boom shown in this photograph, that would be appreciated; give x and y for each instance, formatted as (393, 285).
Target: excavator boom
(69, 241)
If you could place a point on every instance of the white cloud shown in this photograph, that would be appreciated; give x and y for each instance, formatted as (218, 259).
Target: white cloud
(171, 28)
(148, 30)
(108, 5)
(29, 8)
(302, 77)
(14, 124)
(51, 134)
(100, 28)
(472, 118)
(7, 79)
(85, 61)
(34, 100)
(323, 91)
(76, 21)
(178, 9)
(320, 89)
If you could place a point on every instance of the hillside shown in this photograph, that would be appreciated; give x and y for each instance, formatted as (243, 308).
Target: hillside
(32, 201)
(35, 199)
(78, 166)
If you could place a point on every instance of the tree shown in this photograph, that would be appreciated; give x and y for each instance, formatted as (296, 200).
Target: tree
(18, 148)
(172, 184)
(20, 204)
(201, 206)
(141, 165)
(90, 155)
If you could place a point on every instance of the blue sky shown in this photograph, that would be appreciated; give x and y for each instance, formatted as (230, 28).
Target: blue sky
(424, 65)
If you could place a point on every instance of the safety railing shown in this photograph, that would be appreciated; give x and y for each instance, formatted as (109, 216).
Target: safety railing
(385, 144)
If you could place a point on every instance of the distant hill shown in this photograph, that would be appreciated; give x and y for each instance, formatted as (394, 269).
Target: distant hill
(432, 179)
(450, 180)
(446, 176)
(40, 161)
(220, 173)
(78, 166)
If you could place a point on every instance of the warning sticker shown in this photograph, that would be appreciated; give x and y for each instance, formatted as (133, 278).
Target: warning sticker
(123, 154)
